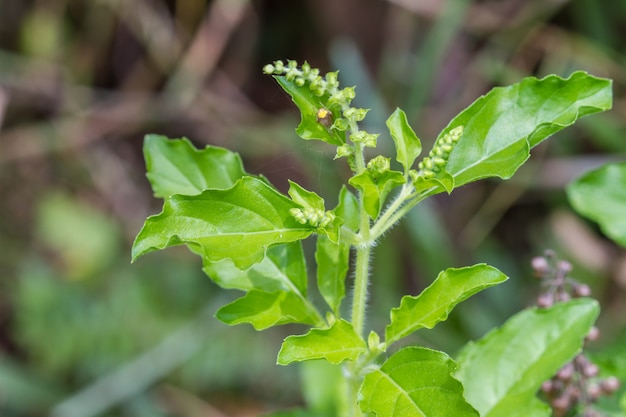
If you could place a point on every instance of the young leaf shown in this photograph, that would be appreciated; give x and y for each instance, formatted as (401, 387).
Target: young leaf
(415, 382)
(282, 269)
(304, 197)
(335, 344)
(600, 196)
(503, 371)
(502, 126)
(175, 166)
(332, 266)
(435, 303)
(309, 105)
(267, 309)
(348, 209)
(238, 223)
(408, 145)
(375, 190)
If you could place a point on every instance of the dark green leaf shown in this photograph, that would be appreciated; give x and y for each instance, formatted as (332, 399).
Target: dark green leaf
(600, 195)
(503, 371)
(175, 166)
(335, 344)
(282, 269)
(375, 189)
(502, 126)
(437, 301)
(267, 309)
(408, 145)
(238, 223)
(415, 382)
(309, 104)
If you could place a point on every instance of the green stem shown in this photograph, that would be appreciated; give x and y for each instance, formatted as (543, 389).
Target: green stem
(361, 279)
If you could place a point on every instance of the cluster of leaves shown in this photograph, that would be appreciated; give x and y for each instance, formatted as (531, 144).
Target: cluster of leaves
(249, 235)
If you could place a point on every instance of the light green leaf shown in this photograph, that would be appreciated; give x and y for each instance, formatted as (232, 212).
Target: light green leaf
(335, 344)
(348, 209)
(309, 104)
(238, 223)
(502, 126)
(304, 197)
(332, 266)
(503, 371)
(600, 195)
(415, 382)
(175, 166)
(437, 301)
(267, 309)
(282, 269)
(375, 189)
(408, 145)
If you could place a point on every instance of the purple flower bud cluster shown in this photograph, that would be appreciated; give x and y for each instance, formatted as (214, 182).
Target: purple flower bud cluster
(557, 285)
(576, 385)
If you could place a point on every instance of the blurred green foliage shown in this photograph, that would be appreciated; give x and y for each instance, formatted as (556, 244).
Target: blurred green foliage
(81, 82)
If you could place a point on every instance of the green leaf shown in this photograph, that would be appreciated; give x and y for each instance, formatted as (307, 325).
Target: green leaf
(503, 371)
(502, 126)
(282, 269)
(309, 104)
(267, 309)
(332, 266)
(175, 166)
(408, 145)
(304, 197)
(348, 209)
(600, 195)
(335, 344)
(437, 301)
(238, 223)
(415, 382)
(375, 189)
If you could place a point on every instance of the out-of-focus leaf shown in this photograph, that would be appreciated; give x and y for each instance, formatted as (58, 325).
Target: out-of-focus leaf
(415, 382)
(175, 166)
(502, 126)
(84, 240)
(437, 301)
(335, 344)
(600, 195)
(266, 309)
(238, 223)
(408, 145)
(503, 371)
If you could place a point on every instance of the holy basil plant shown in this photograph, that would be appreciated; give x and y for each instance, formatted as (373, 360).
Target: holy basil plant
(249, 236)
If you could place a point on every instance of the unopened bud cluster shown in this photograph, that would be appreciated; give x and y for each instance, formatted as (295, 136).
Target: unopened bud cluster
(378, 165)
(556, 283)
(335, 112)
(438, 157)
(576, 385)
(312, 217)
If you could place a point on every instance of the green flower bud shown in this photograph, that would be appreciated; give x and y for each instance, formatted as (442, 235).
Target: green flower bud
(379, 164)
(340, 124)
(344, 150)
(269, 69)
(298, 215)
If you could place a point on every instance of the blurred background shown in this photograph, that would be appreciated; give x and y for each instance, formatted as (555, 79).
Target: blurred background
(85, 333)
